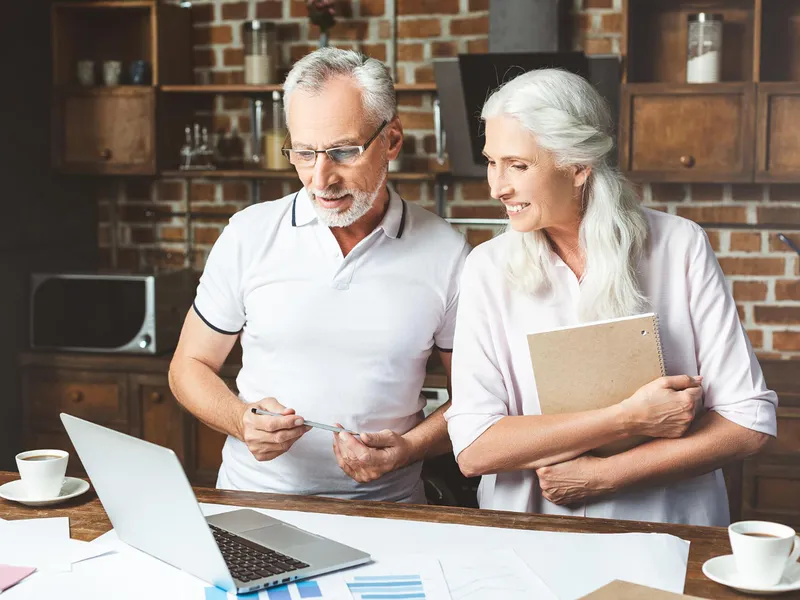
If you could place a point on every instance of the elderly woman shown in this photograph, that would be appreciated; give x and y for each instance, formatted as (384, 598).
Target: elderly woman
(579, 248)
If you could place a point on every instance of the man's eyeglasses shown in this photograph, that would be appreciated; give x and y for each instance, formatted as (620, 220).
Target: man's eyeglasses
(341, 155)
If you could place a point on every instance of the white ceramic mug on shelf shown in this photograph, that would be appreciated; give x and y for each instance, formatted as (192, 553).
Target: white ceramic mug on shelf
(86, 72)
(42, 472)
(763, 550)
(112, 69)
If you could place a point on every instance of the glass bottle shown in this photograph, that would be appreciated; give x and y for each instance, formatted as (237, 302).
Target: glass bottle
(705, 48)
(275, 136)
(260, 52)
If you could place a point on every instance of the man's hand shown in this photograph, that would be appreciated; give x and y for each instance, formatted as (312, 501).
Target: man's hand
(372, 456)
(573, 481)
(269, 437)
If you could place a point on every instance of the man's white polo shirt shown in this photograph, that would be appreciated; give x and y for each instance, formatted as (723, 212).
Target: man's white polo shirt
(339, 339)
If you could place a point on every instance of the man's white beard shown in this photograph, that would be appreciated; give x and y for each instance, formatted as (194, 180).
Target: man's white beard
(359, 206)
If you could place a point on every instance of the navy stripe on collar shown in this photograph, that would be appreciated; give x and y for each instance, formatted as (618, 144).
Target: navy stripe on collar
(294, 210)
(402, 220)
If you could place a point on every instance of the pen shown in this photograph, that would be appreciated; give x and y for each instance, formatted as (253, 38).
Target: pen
(258, 411)
(785, 239)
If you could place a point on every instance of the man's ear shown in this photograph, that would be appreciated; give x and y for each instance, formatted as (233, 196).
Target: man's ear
(394, 137)
(581, 175)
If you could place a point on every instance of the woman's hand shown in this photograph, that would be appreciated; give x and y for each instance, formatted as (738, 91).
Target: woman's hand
(573, 481)
(664, 408)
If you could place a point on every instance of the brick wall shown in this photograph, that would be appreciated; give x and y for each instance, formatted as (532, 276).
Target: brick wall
(763, 272)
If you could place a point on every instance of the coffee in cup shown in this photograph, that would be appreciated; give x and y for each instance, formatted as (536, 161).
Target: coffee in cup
(42, 472)
(763, 550)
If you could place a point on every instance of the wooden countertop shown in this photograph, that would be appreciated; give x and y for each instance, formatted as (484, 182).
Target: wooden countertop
(88, 520)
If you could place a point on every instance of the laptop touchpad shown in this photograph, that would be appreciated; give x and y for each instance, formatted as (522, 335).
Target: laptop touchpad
(279, 536)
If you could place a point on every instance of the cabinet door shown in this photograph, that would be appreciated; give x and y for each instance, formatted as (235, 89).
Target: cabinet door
(164, 422)
(97, 396)
(687, 132)
(105, 130)
(778, 141)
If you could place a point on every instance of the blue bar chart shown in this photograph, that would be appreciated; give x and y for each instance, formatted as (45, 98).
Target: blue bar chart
(387, 587)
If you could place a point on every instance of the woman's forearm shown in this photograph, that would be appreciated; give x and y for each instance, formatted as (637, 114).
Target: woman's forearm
(533, 441)
(712, 442)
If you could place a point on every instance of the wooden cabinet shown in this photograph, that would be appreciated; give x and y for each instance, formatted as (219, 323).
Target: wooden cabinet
(738, 130)
(768, 485)
(127, 393)
(163, 422)
(100, 396)
(105, 131)
(674, 133)
(111, 129)
(778, 142)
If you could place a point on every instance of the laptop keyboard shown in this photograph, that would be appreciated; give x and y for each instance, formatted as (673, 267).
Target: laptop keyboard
(248, 561)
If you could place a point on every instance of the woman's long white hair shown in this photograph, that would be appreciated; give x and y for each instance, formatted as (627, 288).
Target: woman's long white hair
(569, 119)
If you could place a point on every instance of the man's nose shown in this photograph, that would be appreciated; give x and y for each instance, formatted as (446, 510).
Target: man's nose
(325, 173)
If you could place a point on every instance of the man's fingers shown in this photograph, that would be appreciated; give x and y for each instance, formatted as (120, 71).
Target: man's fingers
(272, 405)
(273, 424)
(352, 449)
(380, 439)
(288, 435)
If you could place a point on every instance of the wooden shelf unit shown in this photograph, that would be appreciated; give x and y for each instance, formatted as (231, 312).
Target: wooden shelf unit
(737, 130)
(264, 174)
(265, 89)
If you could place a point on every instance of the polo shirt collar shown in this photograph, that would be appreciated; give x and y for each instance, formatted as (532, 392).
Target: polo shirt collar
(393, 223)
(302, 211)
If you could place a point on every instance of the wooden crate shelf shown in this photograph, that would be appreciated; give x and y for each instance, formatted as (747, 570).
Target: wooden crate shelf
(266, 89)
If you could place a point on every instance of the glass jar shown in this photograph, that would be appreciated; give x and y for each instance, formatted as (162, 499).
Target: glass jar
(275, 136)
(705, 48)
(260, 52)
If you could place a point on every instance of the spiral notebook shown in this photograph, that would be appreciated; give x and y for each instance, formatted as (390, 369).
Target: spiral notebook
(595, 365)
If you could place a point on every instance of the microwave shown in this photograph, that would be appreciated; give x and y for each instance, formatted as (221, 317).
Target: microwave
(138, 314)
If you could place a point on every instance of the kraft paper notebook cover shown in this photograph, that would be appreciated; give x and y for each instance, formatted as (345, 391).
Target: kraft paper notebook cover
(595, 365)
(622, 590)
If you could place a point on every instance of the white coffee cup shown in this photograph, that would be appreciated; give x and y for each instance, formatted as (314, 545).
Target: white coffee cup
(763, 550)
(112, 69)
(42, 472)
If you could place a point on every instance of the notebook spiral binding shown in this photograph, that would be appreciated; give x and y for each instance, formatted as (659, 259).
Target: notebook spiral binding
(657, 333)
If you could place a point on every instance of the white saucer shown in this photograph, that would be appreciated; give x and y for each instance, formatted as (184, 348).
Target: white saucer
(722, 569)
(14, 490)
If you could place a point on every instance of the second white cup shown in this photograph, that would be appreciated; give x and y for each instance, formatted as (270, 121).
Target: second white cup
(112, 69)
(763, 550)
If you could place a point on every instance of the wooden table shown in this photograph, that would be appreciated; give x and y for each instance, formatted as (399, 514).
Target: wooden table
(88, 520)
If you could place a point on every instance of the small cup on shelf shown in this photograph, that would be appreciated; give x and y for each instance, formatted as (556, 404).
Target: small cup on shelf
(112, 69)
(140, 72)
(85, 72)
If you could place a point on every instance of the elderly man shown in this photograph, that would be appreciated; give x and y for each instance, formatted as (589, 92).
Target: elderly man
(340, 293)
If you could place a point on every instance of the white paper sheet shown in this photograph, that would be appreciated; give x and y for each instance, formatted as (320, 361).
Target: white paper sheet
(657, 560)
(488, 576)
(41, 543)
(124, 574)
(417, 576)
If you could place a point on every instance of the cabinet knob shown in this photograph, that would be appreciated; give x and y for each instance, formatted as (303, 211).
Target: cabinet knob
(106, 154)
(76, 396)
(156, 397)
(687, 161)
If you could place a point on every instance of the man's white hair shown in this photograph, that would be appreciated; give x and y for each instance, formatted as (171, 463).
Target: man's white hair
(571, 121)
(311, 72)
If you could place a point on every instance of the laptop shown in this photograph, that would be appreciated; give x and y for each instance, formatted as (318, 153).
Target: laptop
(151, 505)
